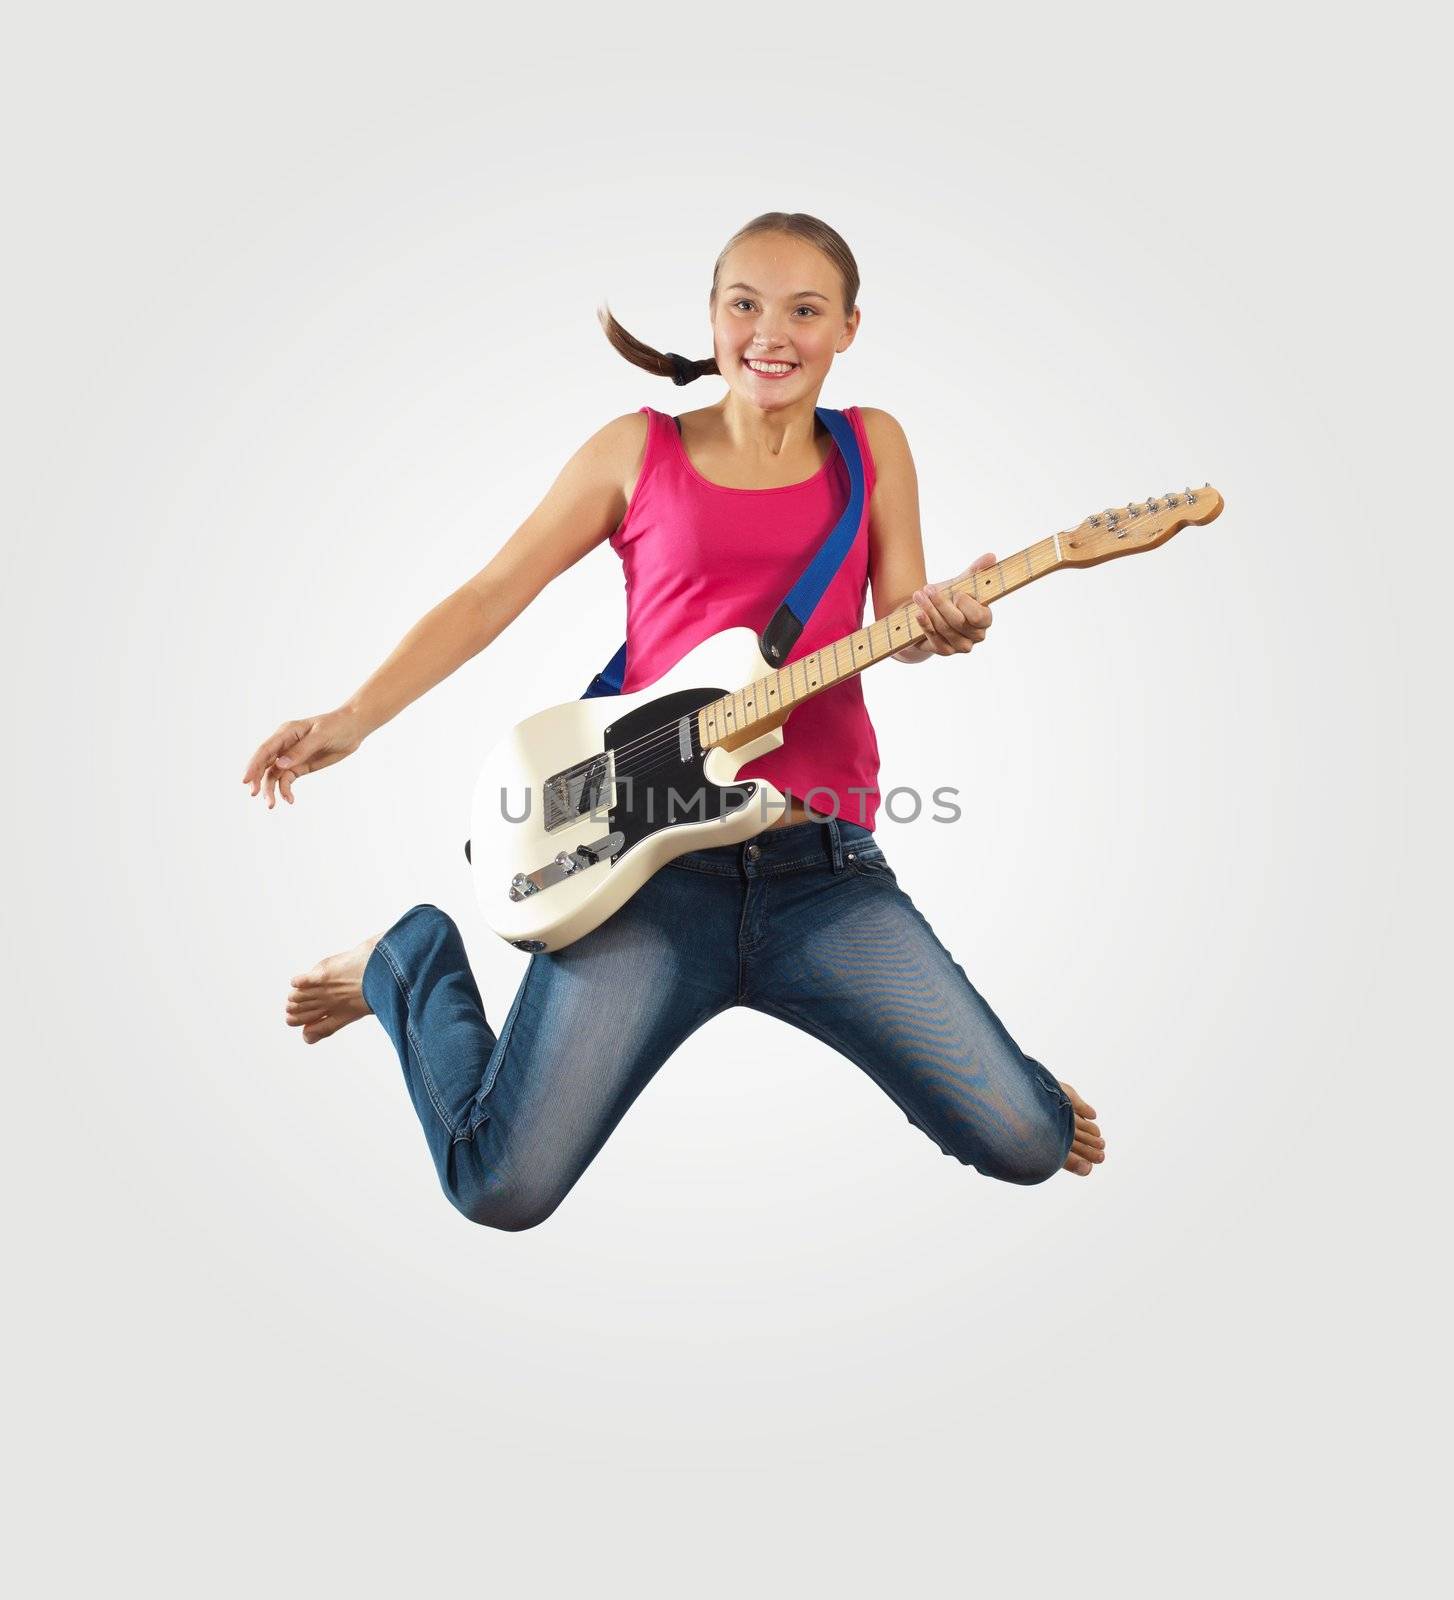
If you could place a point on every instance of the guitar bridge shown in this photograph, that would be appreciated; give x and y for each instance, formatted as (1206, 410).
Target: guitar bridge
(566, 864)
(576, 792)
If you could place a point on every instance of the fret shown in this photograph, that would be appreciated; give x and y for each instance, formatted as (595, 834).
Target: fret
(766, 699)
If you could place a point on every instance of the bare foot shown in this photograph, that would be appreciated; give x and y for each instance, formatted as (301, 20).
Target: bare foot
(330, 996)
(1087, 1148)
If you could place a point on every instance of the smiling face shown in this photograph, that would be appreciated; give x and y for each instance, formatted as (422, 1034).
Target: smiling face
(778, 320)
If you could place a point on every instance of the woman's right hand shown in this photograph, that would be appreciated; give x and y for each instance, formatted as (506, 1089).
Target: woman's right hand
(301, 747)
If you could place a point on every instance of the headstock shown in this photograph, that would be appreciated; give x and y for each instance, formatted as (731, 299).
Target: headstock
(1123, 530)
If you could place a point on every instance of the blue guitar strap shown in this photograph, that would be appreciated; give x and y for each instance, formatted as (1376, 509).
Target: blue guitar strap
(791, 617)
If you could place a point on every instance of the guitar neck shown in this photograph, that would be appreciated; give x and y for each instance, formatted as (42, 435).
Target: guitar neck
(762, 704)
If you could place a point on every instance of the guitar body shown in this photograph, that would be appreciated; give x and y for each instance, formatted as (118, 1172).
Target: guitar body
(618, 786)
(577, 806)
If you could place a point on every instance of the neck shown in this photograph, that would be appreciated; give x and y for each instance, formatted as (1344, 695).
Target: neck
(776, 432)
(764, 703)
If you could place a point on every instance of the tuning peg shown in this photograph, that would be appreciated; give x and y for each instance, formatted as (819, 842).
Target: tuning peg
(1151, 503)
(1095, 521)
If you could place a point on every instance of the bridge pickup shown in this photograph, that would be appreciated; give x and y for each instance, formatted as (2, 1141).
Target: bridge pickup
(576, 792)
(566, 864)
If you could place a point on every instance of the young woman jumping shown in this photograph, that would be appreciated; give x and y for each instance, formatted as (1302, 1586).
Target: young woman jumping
(714, 514)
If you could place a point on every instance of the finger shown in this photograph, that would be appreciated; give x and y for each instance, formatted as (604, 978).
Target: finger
(979, 615)
(956, 612)
(1088, 1152)
(285, 783)
(932, 637)
(928, 604)
(975, 614)
(263, 755)
(1078, 1165)
(942, 632)
(971, 611)
(300, 752)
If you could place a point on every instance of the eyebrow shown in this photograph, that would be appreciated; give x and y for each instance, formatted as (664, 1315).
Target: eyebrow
(800, 295)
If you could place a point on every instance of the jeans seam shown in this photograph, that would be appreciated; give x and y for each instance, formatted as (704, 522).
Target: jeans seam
(492, 1067)
(428, 1077)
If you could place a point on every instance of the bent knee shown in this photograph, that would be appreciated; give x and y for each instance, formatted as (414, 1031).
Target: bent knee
(510, 1207)
(1029, 1154)
(1023, 1165)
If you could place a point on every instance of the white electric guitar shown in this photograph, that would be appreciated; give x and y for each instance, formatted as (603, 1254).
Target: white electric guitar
(577, 806)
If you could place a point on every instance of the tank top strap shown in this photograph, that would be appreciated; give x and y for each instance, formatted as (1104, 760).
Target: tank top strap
(659, 430)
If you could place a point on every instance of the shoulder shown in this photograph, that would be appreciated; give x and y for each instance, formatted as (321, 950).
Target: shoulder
(617, 451)
(893, 464)
(623, 434)
(885, 436)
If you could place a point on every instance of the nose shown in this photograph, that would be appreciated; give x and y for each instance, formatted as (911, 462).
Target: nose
(768, 336)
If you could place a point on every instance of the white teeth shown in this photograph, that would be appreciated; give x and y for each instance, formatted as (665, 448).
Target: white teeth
(771, 366)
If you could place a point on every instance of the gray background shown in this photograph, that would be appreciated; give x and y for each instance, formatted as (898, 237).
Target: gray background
(300, 326)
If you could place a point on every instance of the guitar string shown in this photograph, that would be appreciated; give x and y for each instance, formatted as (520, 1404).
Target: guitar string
(658, 741)
(664, 737)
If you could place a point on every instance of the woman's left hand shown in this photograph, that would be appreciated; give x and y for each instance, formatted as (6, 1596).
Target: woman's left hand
(952, 624)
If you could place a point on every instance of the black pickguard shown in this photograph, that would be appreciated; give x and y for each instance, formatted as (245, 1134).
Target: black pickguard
(656, 789)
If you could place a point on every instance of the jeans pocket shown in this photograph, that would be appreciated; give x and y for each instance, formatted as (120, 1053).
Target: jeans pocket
(868, 861)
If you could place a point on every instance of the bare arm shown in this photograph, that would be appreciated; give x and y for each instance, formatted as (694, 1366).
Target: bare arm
(896, 541)
(896, 550)
(583, 508)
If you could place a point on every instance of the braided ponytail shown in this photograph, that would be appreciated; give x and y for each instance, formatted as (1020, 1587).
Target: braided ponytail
(666, 365)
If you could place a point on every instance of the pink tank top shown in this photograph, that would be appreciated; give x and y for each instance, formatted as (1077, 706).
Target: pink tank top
(700, 557)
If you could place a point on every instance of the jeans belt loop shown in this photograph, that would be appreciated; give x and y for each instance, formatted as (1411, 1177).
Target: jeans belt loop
(836, 842)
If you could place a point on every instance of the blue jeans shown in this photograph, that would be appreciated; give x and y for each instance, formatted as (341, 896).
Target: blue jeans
(806, 923)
